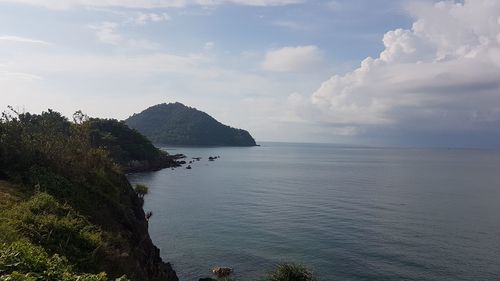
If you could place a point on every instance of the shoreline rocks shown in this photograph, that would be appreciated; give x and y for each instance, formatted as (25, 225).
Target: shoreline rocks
(222, 271)
(168, 161)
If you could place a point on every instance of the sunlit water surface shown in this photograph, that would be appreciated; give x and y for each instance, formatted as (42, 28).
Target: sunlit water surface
(348, 213)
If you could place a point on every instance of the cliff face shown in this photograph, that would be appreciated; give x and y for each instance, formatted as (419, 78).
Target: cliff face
(127, 249)
(138, 257)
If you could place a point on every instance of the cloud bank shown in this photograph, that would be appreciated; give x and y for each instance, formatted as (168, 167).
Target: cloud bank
(442, 75)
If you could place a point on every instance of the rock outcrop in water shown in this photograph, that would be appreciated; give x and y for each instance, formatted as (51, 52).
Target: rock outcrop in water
(222, 271)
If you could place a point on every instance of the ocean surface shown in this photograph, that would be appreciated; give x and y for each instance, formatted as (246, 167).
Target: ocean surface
(348, 213)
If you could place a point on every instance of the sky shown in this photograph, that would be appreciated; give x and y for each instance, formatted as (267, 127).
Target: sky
(370, 72)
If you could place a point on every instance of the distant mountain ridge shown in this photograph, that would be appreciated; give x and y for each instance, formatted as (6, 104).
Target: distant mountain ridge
(177, 124)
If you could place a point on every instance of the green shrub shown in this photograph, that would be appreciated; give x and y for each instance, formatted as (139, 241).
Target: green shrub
(141, 190)
(73, 178)
(55, 227)
(7, 231)
(22, 260)
(291, 272)
(123, 143)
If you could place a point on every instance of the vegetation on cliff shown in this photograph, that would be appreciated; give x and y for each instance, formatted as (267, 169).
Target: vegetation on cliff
(67, 212)
(291, 272)
(131, 150)
(177, 124)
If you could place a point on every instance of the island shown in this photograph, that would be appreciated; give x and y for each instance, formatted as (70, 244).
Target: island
(177, 124)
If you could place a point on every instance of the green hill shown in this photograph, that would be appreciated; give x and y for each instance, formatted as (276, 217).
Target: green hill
(131, 150)
(177, 124)
(67, 212)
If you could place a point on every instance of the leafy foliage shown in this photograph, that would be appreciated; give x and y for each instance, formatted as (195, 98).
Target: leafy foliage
(57, 228)
(22, 260)
(178, 124)
(141, 190)
(34, 146)
(126, 146)
(83, 213)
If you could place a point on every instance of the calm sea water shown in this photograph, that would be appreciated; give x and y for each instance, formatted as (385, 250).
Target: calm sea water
(348, 213)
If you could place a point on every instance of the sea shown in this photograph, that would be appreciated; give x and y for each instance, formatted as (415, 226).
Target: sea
(346, 213)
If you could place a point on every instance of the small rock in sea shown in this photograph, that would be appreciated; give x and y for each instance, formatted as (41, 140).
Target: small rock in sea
(222, 271)
(188, 167)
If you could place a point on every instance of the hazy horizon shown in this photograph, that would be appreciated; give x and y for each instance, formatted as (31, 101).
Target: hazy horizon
(382, 73)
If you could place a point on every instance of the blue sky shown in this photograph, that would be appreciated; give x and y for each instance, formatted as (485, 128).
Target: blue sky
(359, 71)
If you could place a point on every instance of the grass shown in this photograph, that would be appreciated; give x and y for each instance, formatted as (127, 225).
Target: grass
(55, 227)
(24, 261)
(10, 194)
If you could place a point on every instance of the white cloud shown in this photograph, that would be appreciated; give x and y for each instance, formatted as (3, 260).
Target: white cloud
(17, 77)
(144, 18)
(106, 32)
(82, 65)
(208, 46)
(300, 26)
(146, 4)
(17, 39)
(291, 59)
(442, 74)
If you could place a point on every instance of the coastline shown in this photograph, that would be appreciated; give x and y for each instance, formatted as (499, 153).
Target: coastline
(168, 161)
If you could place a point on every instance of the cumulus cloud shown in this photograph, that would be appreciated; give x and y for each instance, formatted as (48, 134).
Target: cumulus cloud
(291, 59)
(442, 74)
(147, 4)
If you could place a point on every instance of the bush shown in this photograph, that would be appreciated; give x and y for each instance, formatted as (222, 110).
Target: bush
(55, 227)
(141, 190)
(291, 272)
(74, 180)
(22, 260)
